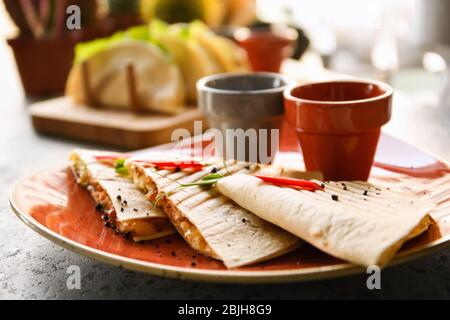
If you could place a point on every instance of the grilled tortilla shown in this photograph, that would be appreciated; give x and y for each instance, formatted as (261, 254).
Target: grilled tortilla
(209, 222)
(123, 206)
(354, 221)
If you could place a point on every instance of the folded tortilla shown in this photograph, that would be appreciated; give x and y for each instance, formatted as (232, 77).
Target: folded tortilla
(193, 60)
(226, 53)
(158, 82)
(123, 206)
(354, 221)
(209, 222)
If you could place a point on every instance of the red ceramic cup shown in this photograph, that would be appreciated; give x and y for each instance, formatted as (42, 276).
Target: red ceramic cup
(267, 47)
(338, 125)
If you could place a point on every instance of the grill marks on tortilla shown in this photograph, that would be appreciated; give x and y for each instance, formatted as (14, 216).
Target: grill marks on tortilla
(382, 205)
(212, 223)
(363, 232)
(178, 200)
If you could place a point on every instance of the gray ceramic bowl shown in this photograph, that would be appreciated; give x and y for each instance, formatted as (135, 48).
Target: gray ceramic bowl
(243, 100)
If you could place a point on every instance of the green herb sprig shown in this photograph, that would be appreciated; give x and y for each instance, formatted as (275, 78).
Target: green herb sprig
(120, 168)
(207, 180)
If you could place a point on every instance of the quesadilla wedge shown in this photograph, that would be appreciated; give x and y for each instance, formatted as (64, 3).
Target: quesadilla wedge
(123, 206)
(209, 222)
(354, 221)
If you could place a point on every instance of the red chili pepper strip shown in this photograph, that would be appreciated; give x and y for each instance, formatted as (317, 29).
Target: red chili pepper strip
(175, 164)
(187, 166)
(298, 184)
(302, 188)
(166, 168)
(192, 169)
(111, 157)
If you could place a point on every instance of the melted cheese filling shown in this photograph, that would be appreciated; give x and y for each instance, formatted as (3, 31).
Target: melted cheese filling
(187, 230)
(139, 229)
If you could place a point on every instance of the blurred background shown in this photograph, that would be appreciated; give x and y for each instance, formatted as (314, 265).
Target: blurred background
(404, 42)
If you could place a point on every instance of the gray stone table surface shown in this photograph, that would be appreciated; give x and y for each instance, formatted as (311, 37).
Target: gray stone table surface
(32, 267)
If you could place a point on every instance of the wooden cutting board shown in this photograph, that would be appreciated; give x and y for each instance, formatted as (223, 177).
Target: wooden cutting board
(63, 118)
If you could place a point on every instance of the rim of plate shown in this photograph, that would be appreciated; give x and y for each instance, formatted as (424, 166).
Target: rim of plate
(221, 276)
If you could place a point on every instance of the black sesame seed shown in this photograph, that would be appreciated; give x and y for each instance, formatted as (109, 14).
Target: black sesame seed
(322, 185)
(365, 192)
(244, 221)
(177, 169)
(345, 188)
(193, 264)
(122, 209)
(135, 210)
(99, 207)
(125, 202)
(127, 235)
(247, 167)
(119, 198)
(335, 197)
(214, 170)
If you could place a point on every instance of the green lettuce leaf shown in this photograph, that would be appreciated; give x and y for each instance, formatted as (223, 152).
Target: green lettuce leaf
(149, 33)
(85, 50)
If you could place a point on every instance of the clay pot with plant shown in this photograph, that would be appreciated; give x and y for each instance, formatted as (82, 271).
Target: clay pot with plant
(44, 47)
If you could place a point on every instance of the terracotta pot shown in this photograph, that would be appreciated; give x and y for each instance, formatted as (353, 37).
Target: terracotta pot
(338, 125)
(43, 64)
(267, 47)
